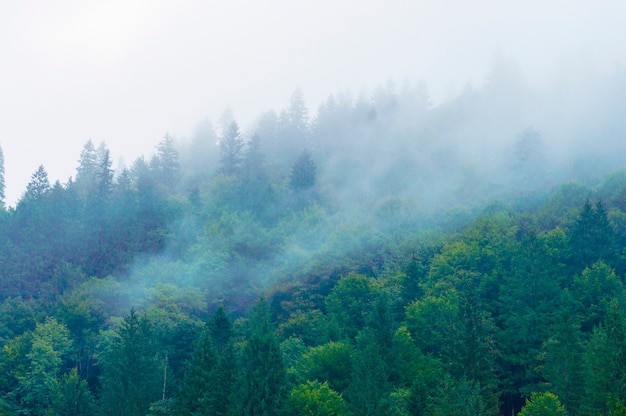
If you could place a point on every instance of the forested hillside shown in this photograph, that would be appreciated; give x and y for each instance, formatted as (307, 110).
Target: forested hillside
(384, 256)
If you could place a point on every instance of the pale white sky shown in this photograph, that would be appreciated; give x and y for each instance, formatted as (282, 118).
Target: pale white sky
(127, 72)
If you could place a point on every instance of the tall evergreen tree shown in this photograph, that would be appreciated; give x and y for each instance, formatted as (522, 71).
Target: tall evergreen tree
(605, 360)
(38, 185)
(87, 169)
(562, 356)
(592, 237)
(263, 382)
(209, 380)
(198, 375)
(132, 377)
(104, 174)
(231, 150)
(165, 163)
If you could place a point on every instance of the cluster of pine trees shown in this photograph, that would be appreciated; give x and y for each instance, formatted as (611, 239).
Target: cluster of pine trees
(350, 264)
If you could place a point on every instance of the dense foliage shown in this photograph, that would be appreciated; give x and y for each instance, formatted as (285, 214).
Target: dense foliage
(356, 263)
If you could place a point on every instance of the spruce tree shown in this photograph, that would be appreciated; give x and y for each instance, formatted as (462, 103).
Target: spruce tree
(198, 376)
(132, 377)
(263, 382)
(231, 150)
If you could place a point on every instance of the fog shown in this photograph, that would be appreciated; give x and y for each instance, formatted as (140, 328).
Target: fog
(128, 73)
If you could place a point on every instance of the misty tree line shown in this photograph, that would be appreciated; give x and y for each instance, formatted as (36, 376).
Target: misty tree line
(392, 283)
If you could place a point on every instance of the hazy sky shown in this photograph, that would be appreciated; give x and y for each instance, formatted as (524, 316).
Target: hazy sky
(127, 72)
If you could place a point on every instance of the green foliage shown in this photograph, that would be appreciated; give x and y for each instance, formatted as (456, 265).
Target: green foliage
(132, 375)
(563, 360)
(315, 399)
(328, 363)
(50, 345)
(70, 396)
(349, 304)
(605, 359)
(592, 236)
(263, 374)
(388, 294)
(370, 389)
(542, 404)
(595, 289)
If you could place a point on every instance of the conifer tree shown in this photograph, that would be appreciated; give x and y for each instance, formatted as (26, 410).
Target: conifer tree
(263, 382)
(231, 150)
(210, 377)
(38, 185)
(87, 169)
(165, 163)
(132, 377)
(198, 376)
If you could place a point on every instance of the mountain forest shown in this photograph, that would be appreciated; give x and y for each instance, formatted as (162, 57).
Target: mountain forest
(381, 256)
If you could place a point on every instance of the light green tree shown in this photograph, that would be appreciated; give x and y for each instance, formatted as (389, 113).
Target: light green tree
(70, 396)
(50, 345)
(315, 399)
(542, 404)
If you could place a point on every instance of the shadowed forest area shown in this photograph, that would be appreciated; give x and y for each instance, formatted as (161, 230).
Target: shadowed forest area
(380, 256)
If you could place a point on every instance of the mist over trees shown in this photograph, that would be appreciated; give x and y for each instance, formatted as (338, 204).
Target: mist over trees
(381, 256)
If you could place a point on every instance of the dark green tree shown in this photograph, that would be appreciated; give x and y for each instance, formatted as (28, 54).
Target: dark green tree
(330, 363)
(263, 382)
(198, 375)
(217, 375)
(370, 388)
(562, 356)
(132, 376)
(605, 360)
(592, 237)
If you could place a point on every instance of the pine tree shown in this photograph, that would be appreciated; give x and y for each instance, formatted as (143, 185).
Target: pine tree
(198, 376)
(263, 382)
(38, 185)
(165, 163)
(231, 150)
(592, 237)
(132, 377)
(87, 169)
(209, 380)
(104, 174)
(605, 360)
(562, 357)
